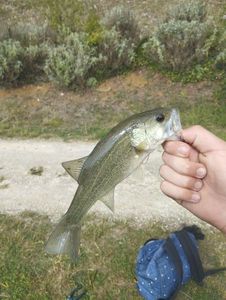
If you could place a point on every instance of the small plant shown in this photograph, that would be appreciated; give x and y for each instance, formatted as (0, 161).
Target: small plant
(72, 14)
(36, 171)
(11, 64)
(116, 52)
(184, 39)
(94, 29)
(28, 34)
(188, 11)
(221, 60)
(69, 13)
(33, 60)
(69, 64)
(124, 22)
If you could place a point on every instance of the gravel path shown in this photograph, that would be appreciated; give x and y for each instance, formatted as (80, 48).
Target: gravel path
(138, 197)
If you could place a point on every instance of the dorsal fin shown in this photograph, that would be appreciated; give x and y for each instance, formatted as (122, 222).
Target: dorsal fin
(73, 167)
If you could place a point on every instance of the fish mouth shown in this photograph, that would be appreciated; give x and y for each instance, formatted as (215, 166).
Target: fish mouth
(173, 126)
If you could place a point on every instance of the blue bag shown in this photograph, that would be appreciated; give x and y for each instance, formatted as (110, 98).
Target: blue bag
(164, 265)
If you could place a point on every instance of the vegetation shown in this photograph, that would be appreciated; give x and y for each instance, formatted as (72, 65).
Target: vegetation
(106, 265)
(10, 60)
(107, 44)
(69, 64)
(185, 38)
(78, 45)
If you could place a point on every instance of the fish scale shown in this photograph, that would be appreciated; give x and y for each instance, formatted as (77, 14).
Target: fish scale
(114, 173)
(113, 159)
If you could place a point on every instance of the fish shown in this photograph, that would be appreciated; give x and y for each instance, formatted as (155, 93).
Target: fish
(112, 160)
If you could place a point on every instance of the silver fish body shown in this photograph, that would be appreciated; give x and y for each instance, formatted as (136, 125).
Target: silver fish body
(113, 159)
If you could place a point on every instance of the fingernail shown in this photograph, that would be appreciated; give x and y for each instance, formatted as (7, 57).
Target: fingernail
(195, 198)
(201, 172)
(198, 185)
(183, 150)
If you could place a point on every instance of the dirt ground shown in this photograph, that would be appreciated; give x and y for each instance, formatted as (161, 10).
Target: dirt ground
(51, 192)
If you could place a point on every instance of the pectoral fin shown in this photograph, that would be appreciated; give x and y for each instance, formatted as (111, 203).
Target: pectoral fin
(108, 200)
(138, 174)
(138, 139)
(73, 167)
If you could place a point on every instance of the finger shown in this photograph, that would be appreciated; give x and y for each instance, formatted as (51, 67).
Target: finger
(177, 148)
(178, 193)
(181, 149)
(184, 166)
(201, 139)
(183, 181)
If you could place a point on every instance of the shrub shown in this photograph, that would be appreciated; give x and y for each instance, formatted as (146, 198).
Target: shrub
(188, 11)
(94, 30)
(221, 60)
(28, 34)
(185, 39)
(116, 53)
(69, 64)
(72, 14)
(10, 61)
(124, 22)
(33, 60)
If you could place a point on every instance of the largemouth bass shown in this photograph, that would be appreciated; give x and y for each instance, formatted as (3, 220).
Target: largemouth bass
(113, 159)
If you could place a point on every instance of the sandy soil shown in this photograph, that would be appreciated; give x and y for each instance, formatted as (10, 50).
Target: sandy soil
(138, 197)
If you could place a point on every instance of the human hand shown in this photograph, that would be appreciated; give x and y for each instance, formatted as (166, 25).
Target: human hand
(194, 174)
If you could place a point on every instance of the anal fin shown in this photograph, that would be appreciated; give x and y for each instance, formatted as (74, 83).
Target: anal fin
(108, 200)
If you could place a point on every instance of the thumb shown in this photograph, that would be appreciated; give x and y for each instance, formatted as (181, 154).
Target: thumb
(201, 139)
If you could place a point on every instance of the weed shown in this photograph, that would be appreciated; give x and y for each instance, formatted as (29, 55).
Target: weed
(36, 171)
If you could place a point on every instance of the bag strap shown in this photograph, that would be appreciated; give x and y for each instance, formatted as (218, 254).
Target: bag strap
(193, 257)
(173, 254)
(192, 254)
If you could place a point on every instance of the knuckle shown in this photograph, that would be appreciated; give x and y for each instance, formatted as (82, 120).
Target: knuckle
(197, 127)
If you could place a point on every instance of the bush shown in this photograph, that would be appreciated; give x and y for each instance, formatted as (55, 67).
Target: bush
(33, 60)
(188, 11)
(68, 65)
(221, 60)
(11, 64)
(28, 34)
(116, 53)
(182, 41)
(72, 14)
(123, 21)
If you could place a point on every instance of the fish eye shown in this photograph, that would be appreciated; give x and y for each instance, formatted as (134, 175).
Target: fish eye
(160, 117)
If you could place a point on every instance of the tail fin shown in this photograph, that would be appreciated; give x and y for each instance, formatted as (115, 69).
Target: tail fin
(65, 239)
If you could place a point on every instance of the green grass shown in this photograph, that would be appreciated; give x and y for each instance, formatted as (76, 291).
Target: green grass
(106, 264)
(19, 119)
